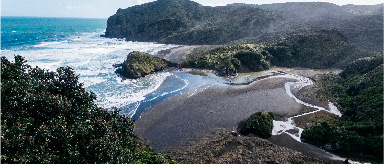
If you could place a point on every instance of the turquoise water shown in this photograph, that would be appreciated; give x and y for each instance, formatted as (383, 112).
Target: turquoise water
(22, 32)
(51, 43)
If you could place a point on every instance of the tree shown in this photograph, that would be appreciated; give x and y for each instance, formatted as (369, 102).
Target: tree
(49, 117)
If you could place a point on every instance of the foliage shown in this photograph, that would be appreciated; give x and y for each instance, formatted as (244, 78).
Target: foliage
(187, 22)
(228, 60)
(310, 49)
(340, 140)
(48, 117)
(139, 64)
(260, 124)
(314, 49)
(358, 91)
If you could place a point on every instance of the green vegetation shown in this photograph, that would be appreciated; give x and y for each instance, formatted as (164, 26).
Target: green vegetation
(260, 124)
(228, 60)
(139, 64)
(310, 49)
(187, 22)
(358, 91)
(314, 49)
(48, 117)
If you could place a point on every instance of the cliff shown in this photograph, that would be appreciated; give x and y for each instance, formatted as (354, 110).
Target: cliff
(187, 22)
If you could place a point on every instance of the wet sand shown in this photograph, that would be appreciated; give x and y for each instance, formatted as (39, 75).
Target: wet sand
(173, 123)
(182, 117)
(179, 119)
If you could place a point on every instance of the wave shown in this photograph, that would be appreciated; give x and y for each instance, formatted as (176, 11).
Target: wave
(92, 57)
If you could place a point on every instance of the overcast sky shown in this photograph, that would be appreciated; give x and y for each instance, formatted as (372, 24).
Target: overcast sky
(106, 8)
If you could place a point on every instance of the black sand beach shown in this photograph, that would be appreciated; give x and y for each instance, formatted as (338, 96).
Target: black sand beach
(179, 119)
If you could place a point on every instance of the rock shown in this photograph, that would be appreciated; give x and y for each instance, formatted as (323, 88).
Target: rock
(139, 64)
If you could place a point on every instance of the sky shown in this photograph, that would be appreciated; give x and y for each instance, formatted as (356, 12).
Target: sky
(106, 8)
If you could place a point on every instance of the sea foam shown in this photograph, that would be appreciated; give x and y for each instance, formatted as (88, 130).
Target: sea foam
(92, 57)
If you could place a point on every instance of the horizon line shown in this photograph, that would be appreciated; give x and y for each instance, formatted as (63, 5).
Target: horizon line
(51, 17)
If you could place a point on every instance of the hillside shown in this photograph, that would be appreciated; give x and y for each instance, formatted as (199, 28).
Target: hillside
(358, 90)
(309, 49)
(314, 49)
(361, 24)
(187, 22)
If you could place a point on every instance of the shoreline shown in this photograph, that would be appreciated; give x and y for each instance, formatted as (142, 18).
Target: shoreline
(176, 120)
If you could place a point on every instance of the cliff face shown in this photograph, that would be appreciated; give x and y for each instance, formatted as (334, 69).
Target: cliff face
(187, 22)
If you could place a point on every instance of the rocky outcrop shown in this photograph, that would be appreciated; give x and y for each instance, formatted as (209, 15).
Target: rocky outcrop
(139, 64)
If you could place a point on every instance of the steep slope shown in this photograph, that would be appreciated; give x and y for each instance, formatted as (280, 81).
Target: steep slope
(361, 24)
(154, 21)
(358, 91)
(314, 49)
(187, 22)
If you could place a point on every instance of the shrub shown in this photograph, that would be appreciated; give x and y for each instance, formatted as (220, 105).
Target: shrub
(260, 124)
(48, 117)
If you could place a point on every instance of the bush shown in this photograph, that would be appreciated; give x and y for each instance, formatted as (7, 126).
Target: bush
(338, 139)
(48, 117)
(260, 124)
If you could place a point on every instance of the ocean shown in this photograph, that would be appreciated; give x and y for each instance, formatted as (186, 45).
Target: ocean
(51, 43)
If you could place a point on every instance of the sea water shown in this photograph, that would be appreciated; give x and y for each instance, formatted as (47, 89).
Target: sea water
(50, 43)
